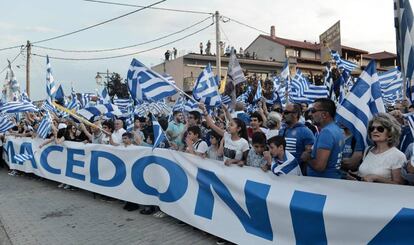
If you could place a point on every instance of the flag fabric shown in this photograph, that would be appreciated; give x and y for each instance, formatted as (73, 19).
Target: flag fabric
(343, 81)
(191, 105)
(169, 78)
(47, 106)
(159, 135)
(179, 104)
(235, 73)
(285, 73)
(362, 103)
(85, 98)
(18, 106)
(22, 157)
(410, 120)
(25, 97)
(123, 104)
(343, 64)
(404, 21)
(104, 97)
(225, 99)
(144, 83)
(45, 126)
(258, 94)
(60, 95)
(51, 87)
(301, 91)
(206, 89)
(99, 110)
(391, 85)
(130, 120)
(280, 89)
(5, 124)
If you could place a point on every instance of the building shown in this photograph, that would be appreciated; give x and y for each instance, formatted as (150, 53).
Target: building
(385, 60)
(185, 69)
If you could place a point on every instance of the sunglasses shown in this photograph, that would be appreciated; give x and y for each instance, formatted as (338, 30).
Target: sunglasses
(380, 129)
(313, 110)
(288, 112)
(278, 110)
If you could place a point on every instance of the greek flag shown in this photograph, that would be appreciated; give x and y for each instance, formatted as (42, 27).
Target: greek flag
(280, 90)
(22, 157)
(159, 135)
(301, 91)
(179, 104)
(258, 94)
(45, 127)
(47, 106)
(104, 97)
(190, 105)
(343, 81)
(343, 64)
(130, 120)
(225, 99)
(410, 121)
(25, 97)
(144, 83)
(85, 98)
(235, 73)
(5, 124)
(362, 103)
(285, 73)
(98, 110)
(18, 106)
(123, 104)
(51, 87)
(404, 20)
(391, 85)
(206, 88)
(169, 78)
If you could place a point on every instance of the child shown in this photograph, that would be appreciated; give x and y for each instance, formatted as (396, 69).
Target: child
(280, 161)
(127, 139)
(255, 157)
(195, 145)
(212, 152)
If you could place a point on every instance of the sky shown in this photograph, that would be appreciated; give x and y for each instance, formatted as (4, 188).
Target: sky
(367, 25)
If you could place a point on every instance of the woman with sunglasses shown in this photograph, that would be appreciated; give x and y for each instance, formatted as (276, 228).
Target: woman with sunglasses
(383, 161)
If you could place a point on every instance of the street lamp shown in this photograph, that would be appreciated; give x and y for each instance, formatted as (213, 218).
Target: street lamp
(98, 79)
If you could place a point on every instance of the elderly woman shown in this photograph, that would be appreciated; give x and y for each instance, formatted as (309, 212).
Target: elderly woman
(383, 161)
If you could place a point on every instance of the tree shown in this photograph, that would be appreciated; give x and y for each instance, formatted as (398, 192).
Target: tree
(116, 86)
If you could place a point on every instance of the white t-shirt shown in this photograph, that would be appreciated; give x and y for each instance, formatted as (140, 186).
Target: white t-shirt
(383, 163)
(200, 146)
(233, 149)
(117, 136)
(272, 133)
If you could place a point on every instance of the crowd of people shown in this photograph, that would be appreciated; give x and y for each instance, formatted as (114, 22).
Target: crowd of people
(297, 139)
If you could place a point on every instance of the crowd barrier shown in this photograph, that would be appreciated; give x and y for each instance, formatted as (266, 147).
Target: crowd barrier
(243, 205)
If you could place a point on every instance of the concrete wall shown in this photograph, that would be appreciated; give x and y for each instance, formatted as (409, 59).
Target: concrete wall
(174, 68)
(265, 49)
(307, 54)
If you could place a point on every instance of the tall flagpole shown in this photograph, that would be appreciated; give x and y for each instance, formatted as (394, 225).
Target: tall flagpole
(218, 50)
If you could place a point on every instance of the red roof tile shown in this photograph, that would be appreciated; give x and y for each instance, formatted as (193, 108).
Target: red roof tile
(380, 56)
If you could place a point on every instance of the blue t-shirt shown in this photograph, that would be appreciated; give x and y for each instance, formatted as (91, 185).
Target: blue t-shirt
(348, 151)
(330, 138)
(297, 137)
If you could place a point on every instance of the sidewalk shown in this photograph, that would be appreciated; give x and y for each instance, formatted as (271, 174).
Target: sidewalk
(37, 212)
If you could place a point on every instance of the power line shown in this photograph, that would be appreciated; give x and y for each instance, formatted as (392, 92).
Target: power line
(166, 9)
(243, 24)
(91, 26)
(125, 47)
(12, 47)
(14, 59)
(129, 54)
(99, 24)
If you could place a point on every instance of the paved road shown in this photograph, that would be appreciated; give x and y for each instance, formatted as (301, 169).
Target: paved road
(37, 212)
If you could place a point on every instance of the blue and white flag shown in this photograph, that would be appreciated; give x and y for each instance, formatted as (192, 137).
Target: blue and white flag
(45, 126)
(258, 94)
(18, 106)
(410, 121)
(285, 73)
(169, 78)
(159, 135)
(301, 91)
(47, 106)
(299, 83)
(225, 99)
(191, 105)
(391, 85)
(85, 98)
(235, 73)
(362, 103)
(22, 157)
(404, 23)
(144, 83)
(104, 97)
(123, 104)
(343, 64)
(25, 97)
(343, 81)
(206, 88)
(99, 110)
(51, 87)
(129, 122)
(60, 95)
(5, 124)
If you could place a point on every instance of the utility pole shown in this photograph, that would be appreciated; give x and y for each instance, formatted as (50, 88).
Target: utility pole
(218, 49)
(29, 50)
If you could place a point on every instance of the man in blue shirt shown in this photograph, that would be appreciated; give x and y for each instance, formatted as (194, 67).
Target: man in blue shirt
(325, 159)
(299, 138)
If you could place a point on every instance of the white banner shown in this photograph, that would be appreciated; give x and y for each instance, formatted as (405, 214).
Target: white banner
(242, 205)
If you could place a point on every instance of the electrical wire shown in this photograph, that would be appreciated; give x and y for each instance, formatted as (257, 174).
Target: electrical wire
(129, 54)
(91, 26)
(166, 9)
(125, 47)
(14, 59)
(243, 24)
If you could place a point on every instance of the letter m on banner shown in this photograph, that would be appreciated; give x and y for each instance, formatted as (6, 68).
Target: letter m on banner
(256, 222)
